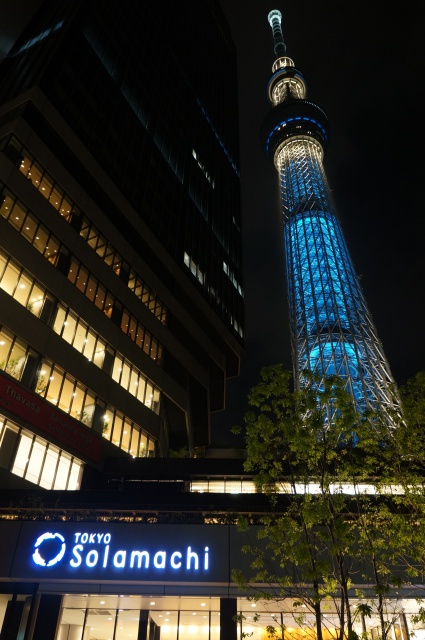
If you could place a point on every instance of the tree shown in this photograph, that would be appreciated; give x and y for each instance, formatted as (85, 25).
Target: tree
(320, 540)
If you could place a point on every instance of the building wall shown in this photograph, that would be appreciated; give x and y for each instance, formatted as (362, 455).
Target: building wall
(121, 217)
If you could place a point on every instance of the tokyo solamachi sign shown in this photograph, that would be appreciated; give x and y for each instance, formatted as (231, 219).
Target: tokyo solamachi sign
(97, 549)
(122, 552)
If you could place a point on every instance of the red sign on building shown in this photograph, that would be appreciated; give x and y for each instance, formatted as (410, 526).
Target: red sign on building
(36, 411)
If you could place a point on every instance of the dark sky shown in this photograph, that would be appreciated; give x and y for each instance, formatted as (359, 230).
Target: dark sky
(364, 64)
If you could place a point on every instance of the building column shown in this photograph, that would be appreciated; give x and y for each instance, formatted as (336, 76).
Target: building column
(154, 631)
(143, 625)
(47, 617)
(15, 618)
(228, 626)
(9, 446)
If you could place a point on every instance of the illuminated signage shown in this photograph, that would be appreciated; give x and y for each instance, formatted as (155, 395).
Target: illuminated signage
(117, 552)
(123, 552)
(99, 549)
(39, 559)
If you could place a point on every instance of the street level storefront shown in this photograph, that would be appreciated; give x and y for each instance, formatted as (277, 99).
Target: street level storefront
(122, 581)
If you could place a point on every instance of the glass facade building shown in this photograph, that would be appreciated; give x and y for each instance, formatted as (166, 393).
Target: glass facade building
(120, 252)
(121, 303)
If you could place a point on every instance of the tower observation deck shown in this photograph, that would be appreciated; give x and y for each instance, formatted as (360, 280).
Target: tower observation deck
(332, 331)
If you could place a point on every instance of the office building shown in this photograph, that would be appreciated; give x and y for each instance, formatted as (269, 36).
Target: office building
(120, 279)
(120, 254)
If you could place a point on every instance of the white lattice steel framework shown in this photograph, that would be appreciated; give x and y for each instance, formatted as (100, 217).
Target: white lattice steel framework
(331, 328)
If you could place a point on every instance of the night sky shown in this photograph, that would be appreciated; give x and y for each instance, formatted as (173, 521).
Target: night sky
(364, 64)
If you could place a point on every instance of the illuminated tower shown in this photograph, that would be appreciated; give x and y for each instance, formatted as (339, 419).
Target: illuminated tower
(331, 328)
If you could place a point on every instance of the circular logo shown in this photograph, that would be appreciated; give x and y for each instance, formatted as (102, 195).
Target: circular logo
(50, 548)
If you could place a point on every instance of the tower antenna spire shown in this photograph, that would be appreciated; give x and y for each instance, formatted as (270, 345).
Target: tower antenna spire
(332, 332)
(275, 21)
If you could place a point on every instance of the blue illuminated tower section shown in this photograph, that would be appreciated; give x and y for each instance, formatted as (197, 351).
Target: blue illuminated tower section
(331, 328)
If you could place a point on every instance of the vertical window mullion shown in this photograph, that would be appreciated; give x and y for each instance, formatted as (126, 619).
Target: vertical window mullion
(29, 454)
(56, 467)
(43, 463)
(74, 393)
(63, 374)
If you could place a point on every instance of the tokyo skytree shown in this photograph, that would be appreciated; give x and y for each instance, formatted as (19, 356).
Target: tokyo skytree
(332, 331)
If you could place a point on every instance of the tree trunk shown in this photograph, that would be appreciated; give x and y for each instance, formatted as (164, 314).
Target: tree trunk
(318, 612)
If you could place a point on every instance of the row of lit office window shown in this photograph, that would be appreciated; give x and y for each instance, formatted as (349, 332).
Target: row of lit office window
(39, 461)
(61, 201)
(22, 287)
(228, 271)
(13, 354)
(29, 226)
(68, 394)
(135, 283)
(244, 485)
(96, 293)
(200, 276)
(223, 485)
(77, 333)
